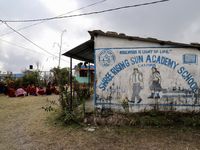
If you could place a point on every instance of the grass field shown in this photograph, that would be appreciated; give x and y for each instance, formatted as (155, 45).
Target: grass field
(24, 125)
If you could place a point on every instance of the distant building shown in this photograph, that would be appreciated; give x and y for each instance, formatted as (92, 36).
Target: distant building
(12, 75)
(146, 73)
(2, 76)
(17, 75)
(84, 74)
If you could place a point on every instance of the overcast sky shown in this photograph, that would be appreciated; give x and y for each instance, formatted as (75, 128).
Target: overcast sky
(175, 20)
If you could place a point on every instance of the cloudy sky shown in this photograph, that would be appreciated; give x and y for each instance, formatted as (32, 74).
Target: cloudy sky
(175, 20)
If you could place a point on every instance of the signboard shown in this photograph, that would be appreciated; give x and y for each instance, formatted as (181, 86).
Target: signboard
(142, 77)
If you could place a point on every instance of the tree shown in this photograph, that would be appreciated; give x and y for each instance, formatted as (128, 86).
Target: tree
(60, 76)
(31, 77)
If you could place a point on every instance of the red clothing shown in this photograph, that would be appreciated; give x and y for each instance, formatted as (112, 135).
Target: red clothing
(40, 91)
(11, 92)
(32, 90)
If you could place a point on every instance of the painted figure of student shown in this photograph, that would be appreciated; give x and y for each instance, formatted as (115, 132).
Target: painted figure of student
(136, 80)
(155, 86)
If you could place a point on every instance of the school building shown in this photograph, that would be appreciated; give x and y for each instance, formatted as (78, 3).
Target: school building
(144, 73)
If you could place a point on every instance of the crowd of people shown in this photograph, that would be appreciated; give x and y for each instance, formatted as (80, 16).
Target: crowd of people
(32, 89)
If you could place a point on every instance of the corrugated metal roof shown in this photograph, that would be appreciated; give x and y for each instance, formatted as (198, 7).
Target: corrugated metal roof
(85, 51)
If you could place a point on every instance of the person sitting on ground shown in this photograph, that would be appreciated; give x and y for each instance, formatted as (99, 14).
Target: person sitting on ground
(48, 89)
(40, 91)
(33, 90)
(11, 92)
(27, 89)
(20, 92)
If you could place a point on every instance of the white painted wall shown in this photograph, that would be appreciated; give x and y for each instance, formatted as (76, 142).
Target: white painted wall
(109, 42)
(178, 80)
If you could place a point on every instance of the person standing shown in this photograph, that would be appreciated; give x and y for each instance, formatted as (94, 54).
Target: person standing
(136, 81)
(155, 86)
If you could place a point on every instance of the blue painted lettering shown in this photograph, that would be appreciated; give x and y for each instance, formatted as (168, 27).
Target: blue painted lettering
(128, 52)
(188, 78)
(107, 78)
(120, 66)
(148, 60)
(161, 60)
(137, 59)
(113, 71)
(154, 59)
(180, 70)
(147, 51)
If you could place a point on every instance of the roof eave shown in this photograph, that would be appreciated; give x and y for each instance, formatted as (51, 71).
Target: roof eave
(153, 40)
(83, 52)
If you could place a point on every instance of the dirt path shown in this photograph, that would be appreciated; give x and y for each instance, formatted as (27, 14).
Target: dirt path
(25, 126)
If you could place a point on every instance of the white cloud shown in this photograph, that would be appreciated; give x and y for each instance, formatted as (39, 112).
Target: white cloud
(176, 20)
(59, 6)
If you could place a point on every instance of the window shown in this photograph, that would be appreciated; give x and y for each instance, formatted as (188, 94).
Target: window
(83, 73)
(190, 59)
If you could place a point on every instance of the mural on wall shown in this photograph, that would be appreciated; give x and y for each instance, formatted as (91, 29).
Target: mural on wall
(155, 86)
(167, 76)
(136, 79)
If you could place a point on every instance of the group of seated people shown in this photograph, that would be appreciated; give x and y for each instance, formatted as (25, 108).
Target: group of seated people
(31, 90)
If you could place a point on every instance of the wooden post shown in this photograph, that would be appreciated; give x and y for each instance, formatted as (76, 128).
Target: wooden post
(71, 84)
(89, 76)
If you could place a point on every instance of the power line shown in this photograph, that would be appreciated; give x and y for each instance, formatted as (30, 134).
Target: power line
(30, 40)
(25, 48)
(28, 49)
(28, 26)
(22, 47)
(88, 13)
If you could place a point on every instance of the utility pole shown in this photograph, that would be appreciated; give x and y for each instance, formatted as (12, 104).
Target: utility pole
(60, 46)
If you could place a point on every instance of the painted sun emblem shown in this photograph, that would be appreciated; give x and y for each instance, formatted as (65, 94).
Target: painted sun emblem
(106, 58)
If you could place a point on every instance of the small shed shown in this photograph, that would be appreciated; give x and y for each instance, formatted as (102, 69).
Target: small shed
(143, 73)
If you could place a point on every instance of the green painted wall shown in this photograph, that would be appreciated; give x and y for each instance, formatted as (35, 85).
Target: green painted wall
(82, 79)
